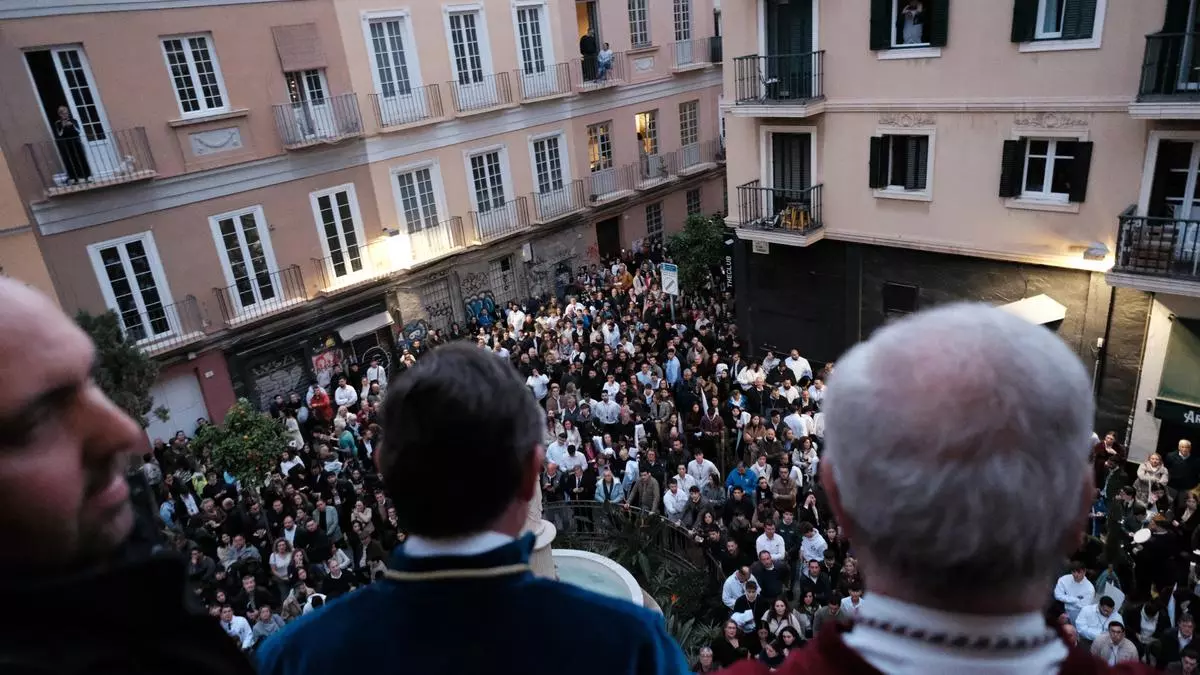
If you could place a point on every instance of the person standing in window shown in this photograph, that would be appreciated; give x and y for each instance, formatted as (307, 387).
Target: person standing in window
(68, 137)
(912, 23)
(605, 62)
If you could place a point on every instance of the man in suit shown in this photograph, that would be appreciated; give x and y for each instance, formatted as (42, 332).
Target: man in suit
(467, 555)
(1175, 642)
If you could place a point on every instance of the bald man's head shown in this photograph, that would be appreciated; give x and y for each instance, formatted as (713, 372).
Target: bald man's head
(63, 496)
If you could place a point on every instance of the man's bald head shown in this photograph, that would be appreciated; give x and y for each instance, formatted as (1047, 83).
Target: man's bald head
(956, 444)
(63, 498)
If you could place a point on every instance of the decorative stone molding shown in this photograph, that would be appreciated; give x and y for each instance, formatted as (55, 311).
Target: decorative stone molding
(644, 64)
(215, 141)
(1050, 120)
(906, 120)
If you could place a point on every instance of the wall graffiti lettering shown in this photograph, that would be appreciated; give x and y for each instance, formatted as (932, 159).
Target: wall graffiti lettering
(279, 376)
(476, 304)
(473, 283)
(415, 330)
(439, 310)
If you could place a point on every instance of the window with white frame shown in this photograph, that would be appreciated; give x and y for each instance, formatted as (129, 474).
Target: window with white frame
(654, 222)
(487, 178)
(391, 60)
(600, 152)
(1035, 20)
(464, 43)
(195, 74)
(340, 230)
(1053, 169)
(900, 163)
(530, 42)
(909, 24)
(639, 23)
(246, 257)
(646, 124)
(418, 201)
(694, 207)
(683, 20)
(132, 282)
(547, 164)
(689, 123)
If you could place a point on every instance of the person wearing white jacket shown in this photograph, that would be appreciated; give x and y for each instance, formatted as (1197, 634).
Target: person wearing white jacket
(674, 500)
(237, 627)
(735, 586)
(1093, 620)
(1074, 590)
(1149, 473)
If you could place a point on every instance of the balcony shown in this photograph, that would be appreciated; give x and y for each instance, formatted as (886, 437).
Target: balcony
(160, 328)
(500, 221)
(308, 123)
(551, 205)
(606, 185)
(693, 54)
(552, 81)
(98, 158)
(697, 157)
(591, 75)
(436, 240)
(354, 265)
(400, 110)
(788, 85)
(656, 169)
(1170, 83)
(1157, 255)
(256, 297)
(488, 92)
(782, 216)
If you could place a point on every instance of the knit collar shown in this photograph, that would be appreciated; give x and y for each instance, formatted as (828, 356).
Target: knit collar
(516, 552)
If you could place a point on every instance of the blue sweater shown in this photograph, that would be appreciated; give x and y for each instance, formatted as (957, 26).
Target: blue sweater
(516, 623)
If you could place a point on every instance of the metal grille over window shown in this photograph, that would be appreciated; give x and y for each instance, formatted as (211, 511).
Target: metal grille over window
(503, 280)
(435, 300)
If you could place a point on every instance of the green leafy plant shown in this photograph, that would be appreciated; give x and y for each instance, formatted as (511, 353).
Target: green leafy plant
(698, 249)
(123, 372)
(690, 633)
(247, 444)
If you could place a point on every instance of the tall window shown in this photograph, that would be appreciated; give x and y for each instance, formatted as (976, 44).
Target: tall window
(391, 61)
(547, 164)
(693, 202)
(647, 130)
(339, 230)
(246, 257)
(639, 23)
(488, 181)
(529, 29)
(900, 163)
(130, 277)
(910, 23)
(464, 41)
(1047, 168)
(654, 222)
(418, 203)
(689, 122)
(600, 153)
(195, 74)
(683, 20)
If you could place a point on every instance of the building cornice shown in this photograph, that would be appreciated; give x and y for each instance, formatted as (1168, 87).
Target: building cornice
(30, 9)
(1152, 284)
(1064, 260)
(58, 216)
(979, 105)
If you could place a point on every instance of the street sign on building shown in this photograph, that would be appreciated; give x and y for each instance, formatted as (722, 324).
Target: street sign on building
(670, 278)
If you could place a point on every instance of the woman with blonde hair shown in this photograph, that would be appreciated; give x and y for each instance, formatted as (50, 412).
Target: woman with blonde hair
(1150, 472)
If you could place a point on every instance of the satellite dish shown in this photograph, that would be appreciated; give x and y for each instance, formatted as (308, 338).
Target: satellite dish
(1141, 536)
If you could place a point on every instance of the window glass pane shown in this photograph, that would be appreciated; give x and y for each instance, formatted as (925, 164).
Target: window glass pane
(1035, 174)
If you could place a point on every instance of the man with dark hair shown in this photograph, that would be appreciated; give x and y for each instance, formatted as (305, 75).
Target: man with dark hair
(68, 522)
(467, 555)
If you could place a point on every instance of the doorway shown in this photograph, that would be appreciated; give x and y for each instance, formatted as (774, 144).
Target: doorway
(587, 19)
(308, 95)
(608, 237)
(85, 145)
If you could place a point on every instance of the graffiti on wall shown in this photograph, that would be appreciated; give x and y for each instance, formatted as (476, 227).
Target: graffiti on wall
(475, 305)
(414, 330)
(439, 311)
(545, 271)
(593, 253)
(279, 376)
(473, 283)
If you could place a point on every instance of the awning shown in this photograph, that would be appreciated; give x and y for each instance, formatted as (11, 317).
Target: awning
(364, 326)
(1040, 309)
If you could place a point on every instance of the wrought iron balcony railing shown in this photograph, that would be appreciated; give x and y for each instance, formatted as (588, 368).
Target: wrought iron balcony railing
(782, 79)
(591, 73)
(437, 240)
(1171, 66)
(612, 182)
(558, 202)
(258, 294)
(95, 158)
(552, 79)
(694, 53)
(697, 156)
(417, 104)
(1158, 247)
(157, 328)
(797, 211)
(500, 220)
(353, 264)
(482, 93)
(312, 122)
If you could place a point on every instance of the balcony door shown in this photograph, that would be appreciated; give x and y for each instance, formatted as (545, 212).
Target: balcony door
(308, 93)
(474, 86)
(652, 165)
(246, 258)
(396, 76)
(789, 67)
(553, 198)
(790, 172)
(1175, 195)
(683, 33)
(538, 76)
(1183, 17)
(85, 143)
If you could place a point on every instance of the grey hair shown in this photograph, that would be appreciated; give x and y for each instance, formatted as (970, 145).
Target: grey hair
(957, 439)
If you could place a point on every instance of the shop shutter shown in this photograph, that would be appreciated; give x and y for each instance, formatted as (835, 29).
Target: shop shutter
(1012, 164)
(881, 24)
(1079, 19)
(1024, 24)
(939, 22)
(1080, 168)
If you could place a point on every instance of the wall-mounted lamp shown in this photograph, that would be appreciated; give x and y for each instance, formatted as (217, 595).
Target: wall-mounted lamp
(391, 233)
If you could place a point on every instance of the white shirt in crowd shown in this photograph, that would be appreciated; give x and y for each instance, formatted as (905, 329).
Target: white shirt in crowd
(607, 412)
(539, 384)
(377, 374)
(516, 319)
(1073, 593)
(673, 502)
(611, 388)
(286, 467)
(812, 547)
(345, 395)
(801, 425)
(701, 470)
(761, 470)
(850, 607)
(734, 589)
(569, 461)
(772, 545)
(1091, 624)
(239, 628)
(790, 394)
(555, 452)
(799, 366)
(815, 394)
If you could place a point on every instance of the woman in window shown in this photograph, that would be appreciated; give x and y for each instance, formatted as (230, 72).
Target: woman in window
(912, 23)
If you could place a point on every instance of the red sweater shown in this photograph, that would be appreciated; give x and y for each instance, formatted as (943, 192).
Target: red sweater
(829, 655)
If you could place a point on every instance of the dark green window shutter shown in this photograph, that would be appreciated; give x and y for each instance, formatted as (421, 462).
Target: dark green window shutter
(1080, 167)
(1012, 165)
(918, 162)
(878, 166)
(1079, 19)
(1024, 25)
(939, 22)
(881, 24)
